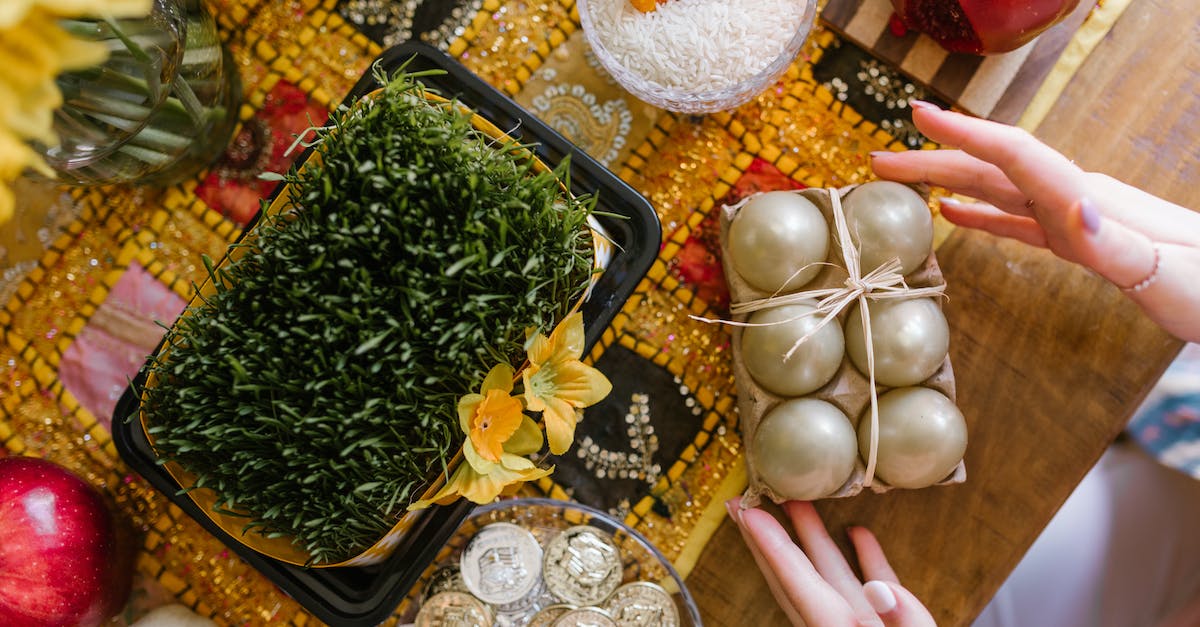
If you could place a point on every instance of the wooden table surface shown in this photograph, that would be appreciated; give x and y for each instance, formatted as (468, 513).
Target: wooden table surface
(1050, 360)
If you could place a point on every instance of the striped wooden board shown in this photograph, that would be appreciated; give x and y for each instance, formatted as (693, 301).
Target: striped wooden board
(998, 87)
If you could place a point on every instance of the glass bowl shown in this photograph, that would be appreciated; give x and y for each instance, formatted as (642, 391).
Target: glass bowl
(700, 100)
(545, 519)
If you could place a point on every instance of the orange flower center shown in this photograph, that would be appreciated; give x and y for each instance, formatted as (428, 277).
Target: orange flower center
(496, 419)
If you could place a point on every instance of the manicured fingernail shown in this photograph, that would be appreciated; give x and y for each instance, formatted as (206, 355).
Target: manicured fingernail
(735, 512)
(878, 153)
(921, 104)
(880, 596)
(950, 202)
(1089, 215)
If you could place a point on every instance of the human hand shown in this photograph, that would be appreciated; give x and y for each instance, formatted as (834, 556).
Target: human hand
(815, 585)
(1141, 243)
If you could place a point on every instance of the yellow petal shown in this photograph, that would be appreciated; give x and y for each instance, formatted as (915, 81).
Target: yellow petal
(516, 462)
(34, 52)
(499, 377)
(15, 156)
(579, 384)
(568, 338)
(450, 491)
(13, 11)
(483, 488)
(537, 347)
(564, 344)
(475, 460)
(75, 53)
(495, 420)
(532, 401)
(30, 40)
(559, 418)
(527, 440)
(466, 410)
(31, 112)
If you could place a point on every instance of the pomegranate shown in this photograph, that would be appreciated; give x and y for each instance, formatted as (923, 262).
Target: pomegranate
(982, 26)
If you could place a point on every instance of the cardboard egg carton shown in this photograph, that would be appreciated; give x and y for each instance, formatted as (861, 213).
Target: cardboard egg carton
(849, 390)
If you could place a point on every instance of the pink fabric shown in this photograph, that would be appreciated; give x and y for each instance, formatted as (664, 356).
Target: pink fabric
(118, 338)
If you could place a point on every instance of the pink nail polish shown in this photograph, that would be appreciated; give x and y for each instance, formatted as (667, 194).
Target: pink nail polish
(880, 596)
(953, 203)
(921, 104)
(1089, 215)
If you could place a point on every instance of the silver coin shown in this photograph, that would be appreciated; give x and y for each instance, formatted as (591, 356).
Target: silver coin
(582, 566)
(643, 604)
(585, 617)
(444, 579)
(453, 609)
(522, 611)
(547, 615)
(501, 564)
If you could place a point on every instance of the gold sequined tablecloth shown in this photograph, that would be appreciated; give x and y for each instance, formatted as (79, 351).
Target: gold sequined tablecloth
(87, 273)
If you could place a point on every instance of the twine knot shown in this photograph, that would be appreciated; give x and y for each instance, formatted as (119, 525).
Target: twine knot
(858, 286)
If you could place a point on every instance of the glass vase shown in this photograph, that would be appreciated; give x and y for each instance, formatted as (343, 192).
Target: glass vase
(162, 107)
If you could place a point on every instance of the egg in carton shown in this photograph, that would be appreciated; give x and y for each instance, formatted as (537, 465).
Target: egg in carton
(804, 392)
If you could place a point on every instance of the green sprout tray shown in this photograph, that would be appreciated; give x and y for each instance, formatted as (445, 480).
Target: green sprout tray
(368, 595)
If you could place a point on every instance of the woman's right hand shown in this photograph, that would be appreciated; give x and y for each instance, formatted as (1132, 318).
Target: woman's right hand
(1141, 243)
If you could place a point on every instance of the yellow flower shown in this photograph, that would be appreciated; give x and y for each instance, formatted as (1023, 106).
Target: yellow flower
(13, 11)
(491, 417)
(34, 50)
(499, 436)
(557, 382)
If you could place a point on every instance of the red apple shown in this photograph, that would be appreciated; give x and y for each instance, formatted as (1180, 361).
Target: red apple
(62, 561)
(982, 26)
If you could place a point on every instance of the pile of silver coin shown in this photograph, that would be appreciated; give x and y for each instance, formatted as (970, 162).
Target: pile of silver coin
(505, 577)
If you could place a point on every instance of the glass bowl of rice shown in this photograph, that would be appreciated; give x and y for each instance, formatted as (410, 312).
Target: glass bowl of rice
(697, 56)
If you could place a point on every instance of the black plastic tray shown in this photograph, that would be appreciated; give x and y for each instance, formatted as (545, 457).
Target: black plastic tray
(367, 595)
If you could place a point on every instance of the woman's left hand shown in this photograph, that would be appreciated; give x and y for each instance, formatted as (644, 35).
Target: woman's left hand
(815, 585)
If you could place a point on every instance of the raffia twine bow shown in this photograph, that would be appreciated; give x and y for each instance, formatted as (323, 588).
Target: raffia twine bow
(882, 283)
